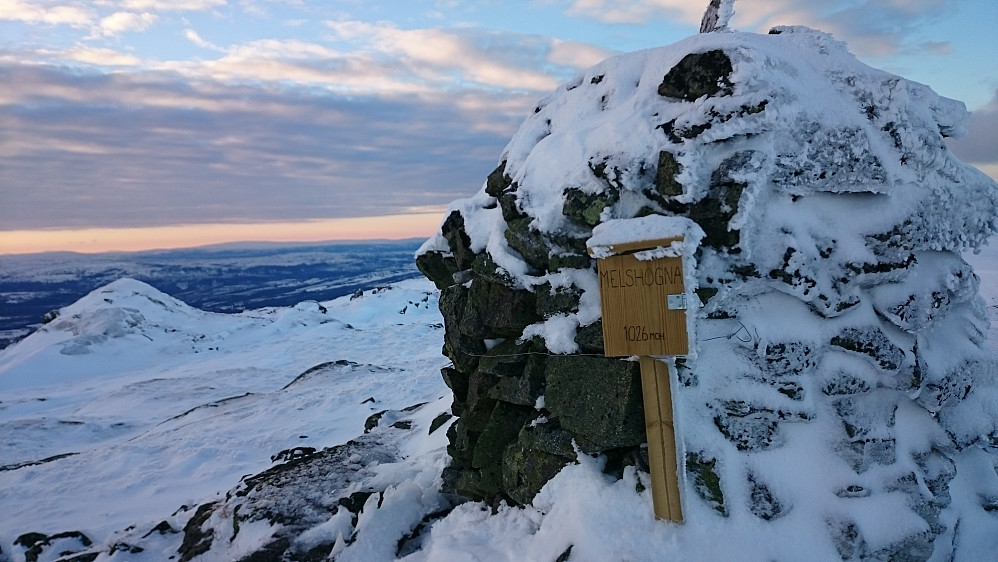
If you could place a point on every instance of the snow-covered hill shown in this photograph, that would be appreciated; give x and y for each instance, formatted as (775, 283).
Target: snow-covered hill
(132, 404)
(224, 278)
(132, 409)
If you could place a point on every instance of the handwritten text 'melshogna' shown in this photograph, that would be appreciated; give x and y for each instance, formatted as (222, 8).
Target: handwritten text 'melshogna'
(641, 277)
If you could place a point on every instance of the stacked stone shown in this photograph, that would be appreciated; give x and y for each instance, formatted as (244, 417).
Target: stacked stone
(884, 314)
(519, 408)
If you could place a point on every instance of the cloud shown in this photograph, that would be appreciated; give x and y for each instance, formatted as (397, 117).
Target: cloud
(46, 13)
(196, 38)
(172, 5)
(980, 145)
(99, 57)
(878, 28)
(160, 149)
(120, 22)
(638, 11)
(459, 57)
(576, 55)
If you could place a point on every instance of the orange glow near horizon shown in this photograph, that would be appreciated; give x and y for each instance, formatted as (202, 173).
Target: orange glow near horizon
(96, 240)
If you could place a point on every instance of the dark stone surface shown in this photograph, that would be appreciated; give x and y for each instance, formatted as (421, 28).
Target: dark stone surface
(697, 75)
(585, 208)
(498, 181)
(537, 455)
(457, 239)
(497, 311)
(462, 349)
(598, 399)
(528, 243)
(438, 268)
(703, 474)
(666, 184)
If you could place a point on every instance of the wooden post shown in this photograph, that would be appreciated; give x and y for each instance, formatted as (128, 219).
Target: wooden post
(641, 318)
(661, 431)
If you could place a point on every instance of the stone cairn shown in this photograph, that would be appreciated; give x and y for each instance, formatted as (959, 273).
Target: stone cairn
(834, 298)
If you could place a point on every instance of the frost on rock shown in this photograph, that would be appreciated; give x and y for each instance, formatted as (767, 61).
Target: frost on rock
(839, 376)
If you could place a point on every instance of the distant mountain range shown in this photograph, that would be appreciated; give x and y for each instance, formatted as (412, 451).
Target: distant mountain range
(224, 278)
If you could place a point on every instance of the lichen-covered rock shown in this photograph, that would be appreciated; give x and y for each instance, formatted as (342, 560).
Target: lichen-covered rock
(457, 240)
(703, 474)
(463, 349)
(597, 399)
(494, 310)
(537, 455)
(437, 267)
(697, 75)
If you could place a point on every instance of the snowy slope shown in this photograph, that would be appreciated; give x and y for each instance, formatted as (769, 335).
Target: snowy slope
(159, 407)
(152, 404)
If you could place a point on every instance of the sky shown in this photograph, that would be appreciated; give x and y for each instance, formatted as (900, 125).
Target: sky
(134, 124)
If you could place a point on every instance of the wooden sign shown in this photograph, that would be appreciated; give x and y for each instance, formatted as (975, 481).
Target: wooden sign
(639, 317)
(644, 314)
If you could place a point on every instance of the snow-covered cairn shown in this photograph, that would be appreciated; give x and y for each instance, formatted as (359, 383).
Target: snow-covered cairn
(840, 375)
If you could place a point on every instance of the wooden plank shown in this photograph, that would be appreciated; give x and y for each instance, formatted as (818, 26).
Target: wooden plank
(627, 247)
(633, 297)
(662, 450)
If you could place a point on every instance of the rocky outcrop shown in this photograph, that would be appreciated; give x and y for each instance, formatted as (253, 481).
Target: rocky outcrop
(837, 319)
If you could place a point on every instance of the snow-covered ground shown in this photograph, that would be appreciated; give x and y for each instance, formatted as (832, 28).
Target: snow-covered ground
(132, 408)
(152, 404)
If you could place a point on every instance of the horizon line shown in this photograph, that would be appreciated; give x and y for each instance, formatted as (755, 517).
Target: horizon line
(97, 240)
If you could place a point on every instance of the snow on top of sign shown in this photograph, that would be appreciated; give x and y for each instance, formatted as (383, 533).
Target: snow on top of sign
(651, 227)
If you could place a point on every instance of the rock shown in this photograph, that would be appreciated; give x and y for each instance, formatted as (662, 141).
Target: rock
(457, 381)
(64, 546)
(497, 311)
(457, 239)
(551, 300)
(666, 184)
(586, 208)
(524, 389)
(570, 260)
(697, 75)
(439, 421)
(479, 405)
(505, 359)
(538, 454)
(528, 243)
(197, 540)
(590, 338)
(873, 343)
(370, 423)
(702, 471)
(438, 268)
(498, 181)
(461, 348)
(714, 212)
(762, 503)
(502, 428)
(577, 387)
(835, 294)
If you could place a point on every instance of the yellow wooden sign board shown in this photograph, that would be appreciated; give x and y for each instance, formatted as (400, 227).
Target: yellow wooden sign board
(639, 317)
